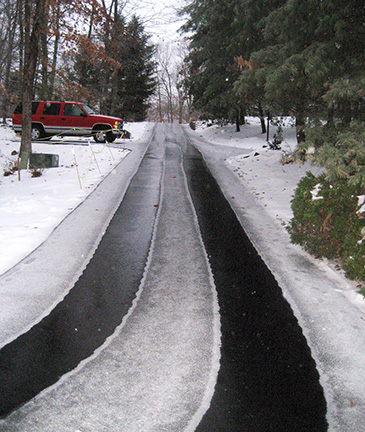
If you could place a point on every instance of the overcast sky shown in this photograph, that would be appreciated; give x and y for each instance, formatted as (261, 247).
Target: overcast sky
(159, 16)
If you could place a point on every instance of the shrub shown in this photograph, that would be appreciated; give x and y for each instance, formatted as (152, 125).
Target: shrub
(275, 144)
(10, 167)
(36, 172)
(340, 150)
(327, 222)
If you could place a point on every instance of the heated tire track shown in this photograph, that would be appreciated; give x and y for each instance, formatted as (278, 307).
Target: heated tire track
(268, 380)
(96, 304)
(158, 369)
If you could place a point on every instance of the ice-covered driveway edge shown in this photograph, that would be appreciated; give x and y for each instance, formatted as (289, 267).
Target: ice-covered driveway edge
(32, 288)
(333, 326)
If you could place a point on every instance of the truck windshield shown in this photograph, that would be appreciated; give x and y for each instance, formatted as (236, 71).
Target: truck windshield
(88, 110)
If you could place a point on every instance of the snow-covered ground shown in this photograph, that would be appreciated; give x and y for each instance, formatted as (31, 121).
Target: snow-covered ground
(30, 208)
(262, 171)
(259, 167)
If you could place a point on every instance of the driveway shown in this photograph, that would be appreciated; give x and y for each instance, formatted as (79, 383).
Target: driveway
(199, 319)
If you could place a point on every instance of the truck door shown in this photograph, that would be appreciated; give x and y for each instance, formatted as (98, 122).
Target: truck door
(75, 120)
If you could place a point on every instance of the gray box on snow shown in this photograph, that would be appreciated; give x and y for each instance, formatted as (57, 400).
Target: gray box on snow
(43, 160)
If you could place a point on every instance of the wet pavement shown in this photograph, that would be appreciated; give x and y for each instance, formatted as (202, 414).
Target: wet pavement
(96, 304)
(150, 297)
(267, 380)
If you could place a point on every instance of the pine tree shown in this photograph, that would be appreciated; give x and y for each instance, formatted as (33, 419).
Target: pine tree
(135, 79)
(340, 141)
(213, 49)
(295, 62)
(303, 58)
(249, 29)
(321, 49)
(120, 77)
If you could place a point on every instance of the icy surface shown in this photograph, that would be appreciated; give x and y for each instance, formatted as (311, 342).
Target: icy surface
(259, 188)
(327, 305)
(157, 372)
(29, 290)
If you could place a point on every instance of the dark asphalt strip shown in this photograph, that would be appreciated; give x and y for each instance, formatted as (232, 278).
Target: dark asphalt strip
(96, 304)
(268, 380)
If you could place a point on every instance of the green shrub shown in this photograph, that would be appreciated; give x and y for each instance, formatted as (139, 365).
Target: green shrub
(340, 150)
(327, 222)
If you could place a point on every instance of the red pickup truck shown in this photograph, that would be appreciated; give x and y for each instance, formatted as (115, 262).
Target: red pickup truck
(50, 118)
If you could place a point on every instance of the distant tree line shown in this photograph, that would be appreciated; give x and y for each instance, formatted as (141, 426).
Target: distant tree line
(85, 51)
(303, 58)
(171, 102)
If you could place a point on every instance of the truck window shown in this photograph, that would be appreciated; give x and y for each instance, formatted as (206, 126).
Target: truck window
(35, 106)
(19, 108)
(88, 110)
(72, 110)
(51, 108)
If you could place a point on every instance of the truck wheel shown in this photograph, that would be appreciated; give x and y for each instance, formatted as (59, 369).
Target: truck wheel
(99, 136)
(110, 137)
(37, 132)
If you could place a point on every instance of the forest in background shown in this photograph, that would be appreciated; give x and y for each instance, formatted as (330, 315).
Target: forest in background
(299, 58)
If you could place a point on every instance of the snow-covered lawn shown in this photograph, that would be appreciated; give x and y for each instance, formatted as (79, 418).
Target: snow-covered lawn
(260, 169)
(31, 208)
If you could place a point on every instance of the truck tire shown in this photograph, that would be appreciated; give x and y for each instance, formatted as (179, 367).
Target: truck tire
(99, 136)
(110, 137)
(37, 132)
(103, 135)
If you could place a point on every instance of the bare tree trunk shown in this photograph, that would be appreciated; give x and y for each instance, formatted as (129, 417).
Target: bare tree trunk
(165, 59)
(8, 62)
(330, 117)
(114, 91)
(159, 98)
(30, 63)
(262, 118)
(21, 20)
(347, 113)
(300, 126)
(114, 82)
(52, 75)
(169, 95)
(238, 118)
(44, 67)
(181, 102)
(166, 84)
